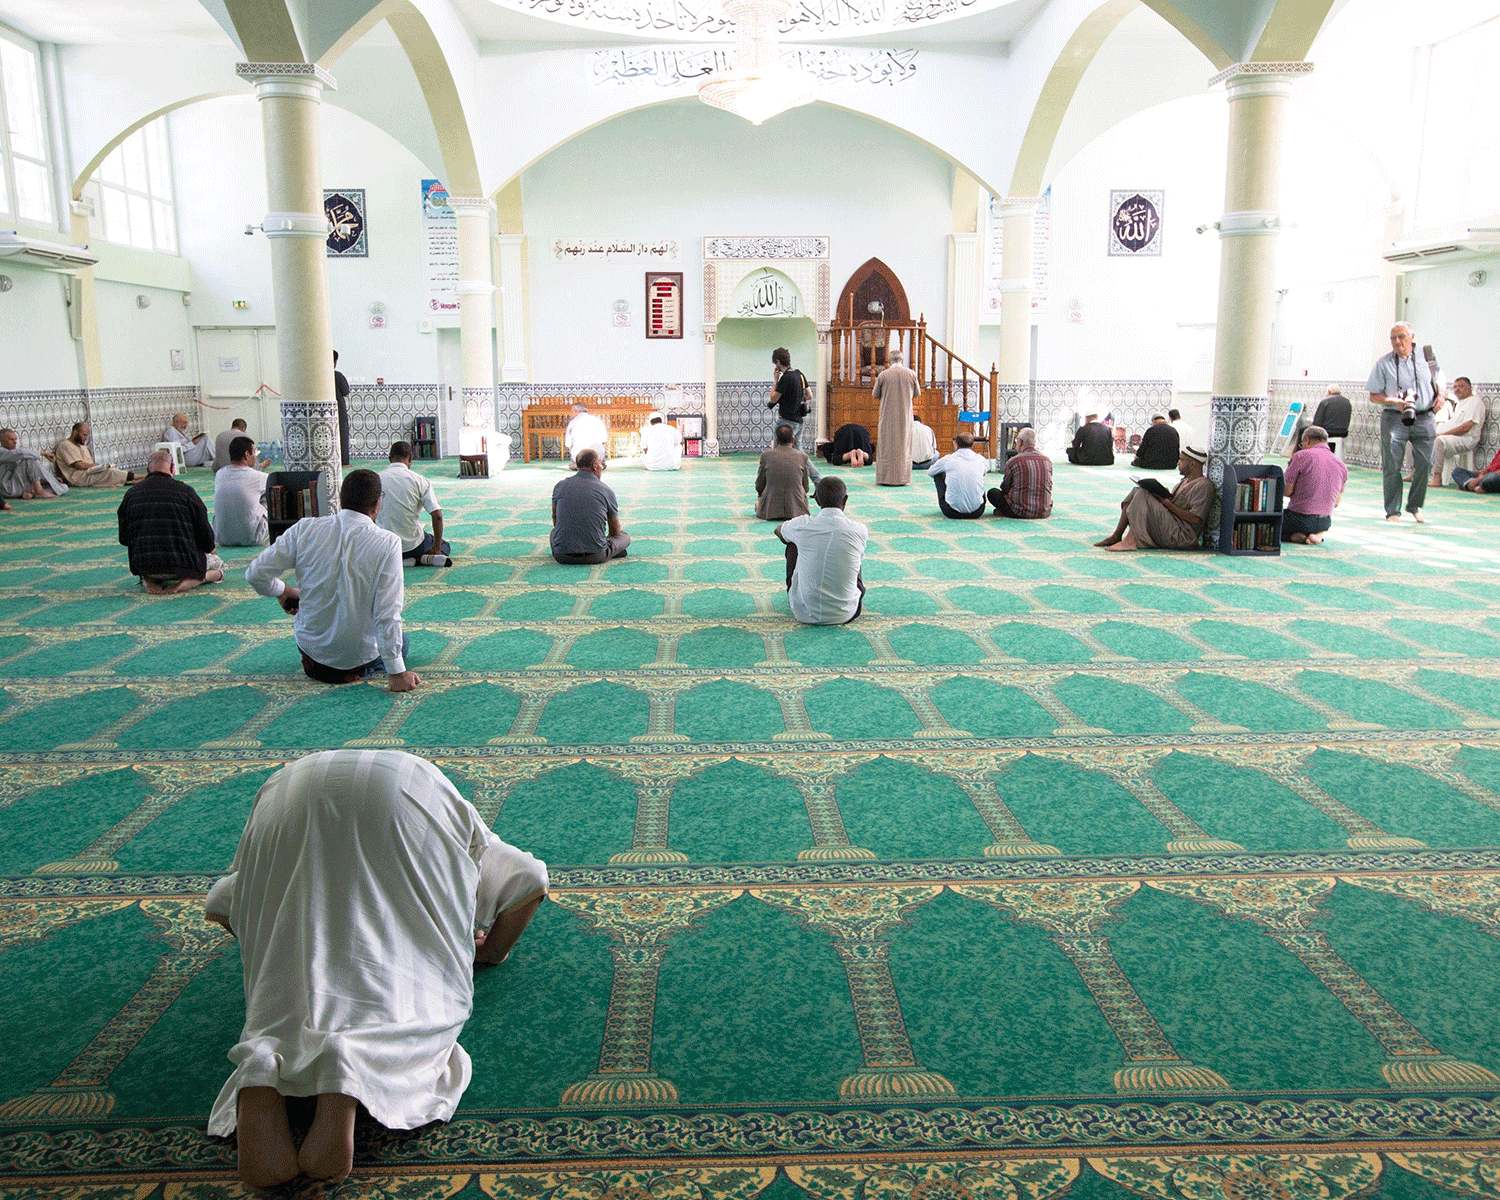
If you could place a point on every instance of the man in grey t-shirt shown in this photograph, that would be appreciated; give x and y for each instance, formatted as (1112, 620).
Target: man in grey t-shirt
(586, 516)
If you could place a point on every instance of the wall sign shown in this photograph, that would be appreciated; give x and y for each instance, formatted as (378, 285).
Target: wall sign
(766, 294)
(765, 247)
(440, 247)
(1135, 224)
(663, 304)
(665, 250)
(345, 210)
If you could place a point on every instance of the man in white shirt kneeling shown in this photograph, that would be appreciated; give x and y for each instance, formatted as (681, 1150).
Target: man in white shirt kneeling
(404, 495)
(823, 558)
(347, 602)
(240, 498)
(960, 479)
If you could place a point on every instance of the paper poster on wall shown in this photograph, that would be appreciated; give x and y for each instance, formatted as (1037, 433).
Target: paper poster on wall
(994, 251)
(440, 246)
(345, 210)
(1135, 224)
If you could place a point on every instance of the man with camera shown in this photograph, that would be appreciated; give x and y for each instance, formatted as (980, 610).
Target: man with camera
(1401, 383)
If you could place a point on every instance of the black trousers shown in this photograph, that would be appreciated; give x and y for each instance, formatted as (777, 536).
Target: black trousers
(791, 567)
(948, 510)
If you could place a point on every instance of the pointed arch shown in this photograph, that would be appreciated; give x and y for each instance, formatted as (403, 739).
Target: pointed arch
(872, 281)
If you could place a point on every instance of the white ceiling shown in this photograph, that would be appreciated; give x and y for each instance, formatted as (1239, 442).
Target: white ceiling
(101, 22)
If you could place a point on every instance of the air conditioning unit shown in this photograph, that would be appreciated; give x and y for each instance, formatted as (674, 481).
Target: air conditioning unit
(49, 256)
(1475, 242)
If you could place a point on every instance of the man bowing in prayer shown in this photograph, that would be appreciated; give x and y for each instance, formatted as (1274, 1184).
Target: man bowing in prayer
(77, 464)
(1153, 520)
(24, 474)
(197, 450)
(895, 387)
(365, 893)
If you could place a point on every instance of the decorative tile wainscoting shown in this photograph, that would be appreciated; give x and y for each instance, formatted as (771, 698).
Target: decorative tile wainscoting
(1055, 404)
(746, 422)
(126, 422)
(382, 414)
(1362, 447)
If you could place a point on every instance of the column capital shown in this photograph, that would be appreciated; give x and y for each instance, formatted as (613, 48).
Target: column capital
(306, 80)
(1017, 205)
(471, 206)
(709, 335)
(1242, 77)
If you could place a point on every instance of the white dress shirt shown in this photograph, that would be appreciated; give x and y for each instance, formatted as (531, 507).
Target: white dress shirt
(830, 549)
(923, 443)
(965, 471)
(584, 432)
(240, 506)
(349, 584)
(403, 496)
(663, 447)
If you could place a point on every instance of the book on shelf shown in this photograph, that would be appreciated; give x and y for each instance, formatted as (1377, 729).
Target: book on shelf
(692, 447)
(474, 464)
(1256, 535)
(1256, 495)
(290, 504)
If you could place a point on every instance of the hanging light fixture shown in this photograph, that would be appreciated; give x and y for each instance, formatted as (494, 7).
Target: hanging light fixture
(760, 86)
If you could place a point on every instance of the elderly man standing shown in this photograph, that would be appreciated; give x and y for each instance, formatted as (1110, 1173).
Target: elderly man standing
(77, 465)
(1153, 521)
(24, 474)
(585, 432)
(1025, 491)
(1401, 384)
(895, 387)
(197, 450)
(164, 526)
(1461, 432)
(405, 495)
(586, 516)
(365, 894)
(823, 558)
(347, 602)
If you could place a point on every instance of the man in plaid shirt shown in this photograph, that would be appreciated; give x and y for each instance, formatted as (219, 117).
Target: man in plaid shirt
(1026, 489)
(164, 526)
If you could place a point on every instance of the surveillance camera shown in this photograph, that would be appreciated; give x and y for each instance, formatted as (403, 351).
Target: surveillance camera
(1200, 229)
(249, 230)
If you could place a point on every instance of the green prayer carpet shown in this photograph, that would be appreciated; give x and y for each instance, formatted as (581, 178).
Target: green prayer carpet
(1166, 876)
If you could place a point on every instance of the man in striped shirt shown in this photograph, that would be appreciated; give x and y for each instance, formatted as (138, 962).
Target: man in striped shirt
(1025, 491)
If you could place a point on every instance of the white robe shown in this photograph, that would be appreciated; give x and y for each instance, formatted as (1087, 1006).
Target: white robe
(585, 432)
(357, 888)
(194, 454)
(662, 446)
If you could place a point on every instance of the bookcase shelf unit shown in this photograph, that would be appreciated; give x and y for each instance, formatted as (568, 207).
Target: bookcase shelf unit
(1232, 518)
(424, 438)
(290, 496)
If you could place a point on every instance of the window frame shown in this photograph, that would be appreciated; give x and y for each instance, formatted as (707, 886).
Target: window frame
(10, 195)
(156, 195)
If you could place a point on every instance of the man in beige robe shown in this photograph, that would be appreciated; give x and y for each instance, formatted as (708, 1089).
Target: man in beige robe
(78, 467)
(895, 387)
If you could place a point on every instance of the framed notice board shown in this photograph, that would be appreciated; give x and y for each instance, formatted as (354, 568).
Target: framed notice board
(664, 304)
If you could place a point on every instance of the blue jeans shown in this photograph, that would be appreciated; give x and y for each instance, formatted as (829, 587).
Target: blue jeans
(1487, 483)
(426, 548)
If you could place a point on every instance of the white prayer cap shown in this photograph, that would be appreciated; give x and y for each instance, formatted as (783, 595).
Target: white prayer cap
(1195, 453)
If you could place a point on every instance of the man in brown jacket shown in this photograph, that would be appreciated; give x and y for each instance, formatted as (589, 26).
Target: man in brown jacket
(784, 477)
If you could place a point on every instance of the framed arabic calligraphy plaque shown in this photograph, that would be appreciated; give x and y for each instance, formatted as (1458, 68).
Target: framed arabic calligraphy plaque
(663, 304)
(345, 210)
(1135, 224)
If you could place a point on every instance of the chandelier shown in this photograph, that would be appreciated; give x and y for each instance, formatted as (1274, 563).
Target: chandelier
(760, 86)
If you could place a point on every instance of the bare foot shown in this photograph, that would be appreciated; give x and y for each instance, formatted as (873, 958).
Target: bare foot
(153, 588)
(1418, 517)
(1108, 542)
(1127, 542)
(1395, 518)
(328, 1151)
(1299, 538)
(1314, 539)
(267, 1156)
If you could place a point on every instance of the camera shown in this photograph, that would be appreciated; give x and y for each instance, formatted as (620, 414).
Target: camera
(1408, 407)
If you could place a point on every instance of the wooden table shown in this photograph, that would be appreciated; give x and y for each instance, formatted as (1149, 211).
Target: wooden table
(623, 417)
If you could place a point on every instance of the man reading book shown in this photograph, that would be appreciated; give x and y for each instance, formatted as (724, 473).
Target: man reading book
(1152, 521)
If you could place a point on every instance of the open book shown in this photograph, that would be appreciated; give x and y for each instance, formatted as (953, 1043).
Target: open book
(1154, 486)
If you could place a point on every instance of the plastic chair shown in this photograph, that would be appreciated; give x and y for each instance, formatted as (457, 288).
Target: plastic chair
(178, 460)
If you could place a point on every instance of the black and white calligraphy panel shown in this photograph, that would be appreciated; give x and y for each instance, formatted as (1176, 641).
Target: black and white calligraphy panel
(1135, 220)
(347, 233)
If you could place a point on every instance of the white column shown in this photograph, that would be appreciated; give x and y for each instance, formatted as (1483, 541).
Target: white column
(512, 308)
(963, 296)
(1017, 215)
(476, 291)
(820, 384)
(710, 397)
(289, 95)
(1239, 409)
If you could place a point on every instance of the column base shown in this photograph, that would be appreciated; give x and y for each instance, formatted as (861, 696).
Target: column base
(942, 733)
(885, 1083)
(1384, 841)
(521, 739)
(811, 735)
(600, 1090)
(835, 854)
(660, 737)
(233, 744)
(630, 857)
(1423, 1071)
(1021, 849)
(1167, 1076)
(58, 1102)
(1202, 845)
(78, 866)
(366, 742)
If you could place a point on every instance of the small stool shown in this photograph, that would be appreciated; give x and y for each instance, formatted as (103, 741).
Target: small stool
(178, 461)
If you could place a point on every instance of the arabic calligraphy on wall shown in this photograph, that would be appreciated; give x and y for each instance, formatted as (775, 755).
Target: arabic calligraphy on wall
(766, 294)
(664, 250)
(707, 17)
(345, 210)
(668, 66)
(1135, 224)
(752, 247)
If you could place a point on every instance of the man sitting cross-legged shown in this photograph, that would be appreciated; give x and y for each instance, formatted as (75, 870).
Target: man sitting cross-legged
(782, 481)
(164, 526)
(823, 557)
(1173, 522)
(347, 602)
(404, 495)
(960, 480)
(76, 463)
(24, 474)
(237, 429)
(1025, 491)
(240, 498)
(1487, 480)
(365, 893)
(586, 516)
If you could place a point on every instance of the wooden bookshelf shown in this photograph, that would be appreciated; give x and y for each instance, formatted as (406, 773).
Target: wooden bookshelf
(290, 496)
(424, 438)
(1253, 517)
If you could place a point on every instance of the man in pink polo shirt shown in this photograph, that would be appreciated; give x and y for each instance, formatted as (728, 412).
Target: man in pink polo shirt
(1315, 482)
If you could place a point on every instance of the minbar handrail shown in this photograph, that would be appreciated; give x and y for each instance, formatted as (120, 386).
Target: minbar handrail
(921, 350)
